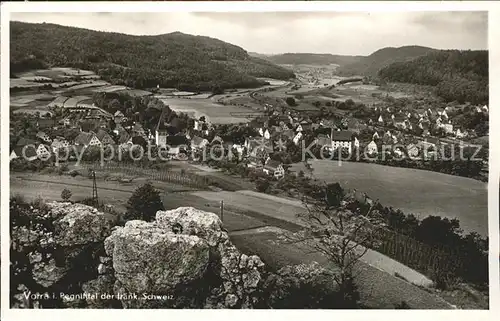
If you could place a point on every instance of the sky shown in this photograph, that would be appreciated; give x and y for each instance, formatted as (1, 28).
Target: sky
(342, 33)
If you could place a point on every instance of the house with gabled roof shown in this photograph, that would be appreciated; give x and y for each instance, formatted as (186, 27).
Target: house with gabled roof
(43, 152)
(163, 130)
(44, 137)
(344, 139)
(323, 140)
(399, 121)
(104, 137)
(87, 139)
(413, 150)
(274, 168)
(198, 142)
(58, 143)
(372, 148)
(177, 144)
(44, 123)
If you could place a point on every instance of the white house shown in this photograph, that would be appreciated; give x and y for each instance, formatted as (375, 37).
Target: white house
(297, 138)
(398, 152)
(44, 137)
(298, 128)
(460, 134)
(87, 139)
(58, 143)
(198, 142)
(375, 136)
(412, 150)
(372, 148)
(380, 119)
(274, 168)
(448, 128)
(485, 108)
(344, 139)
(42, 152)
(267, 135)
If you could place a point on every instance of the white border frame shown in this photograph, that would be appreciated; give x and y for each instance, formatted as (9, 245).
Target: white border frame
(310, 6)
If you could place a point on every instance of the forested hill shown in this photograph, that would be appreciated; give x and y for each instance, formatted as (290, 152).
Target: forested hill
(170, 60)
(313, 59)
(370, 65)
(457, 75)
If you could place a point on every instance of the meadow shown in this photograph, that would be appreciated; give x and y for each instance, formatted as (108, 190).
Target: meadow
(420, 192)
(216, 113)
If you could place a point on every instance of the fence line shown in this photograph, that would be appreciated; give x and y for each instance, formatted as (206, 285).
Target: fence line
(187, 179)
(417, 255)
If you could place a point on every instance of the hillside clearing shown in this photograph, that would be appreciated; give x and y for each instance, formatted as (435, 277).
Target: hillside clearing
(420, 192)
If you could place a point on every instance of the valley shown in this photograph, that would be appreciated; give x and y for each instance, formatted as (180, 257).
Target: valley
(257, 136)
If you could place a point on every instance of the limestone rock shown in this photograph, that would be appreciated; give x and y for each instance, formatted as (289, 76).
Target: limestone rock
(47, 273)
(193, 222)
(149, 258)
(101, 287)
(79, 224)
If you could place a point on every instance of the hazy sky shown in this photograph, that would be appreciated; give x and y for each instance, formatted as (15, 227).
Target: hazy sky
(319, 32)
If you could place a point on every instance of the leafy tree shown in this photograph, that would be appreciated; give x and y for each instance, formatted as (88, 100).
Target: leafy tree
(66, 194)
(144, 203)
(290, 101)
(335, 227)
(262, 185)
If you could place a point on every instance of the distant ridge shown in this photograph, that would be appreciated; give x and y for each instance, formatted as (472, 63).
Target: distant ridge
(370, 65)
(313, 59)
(170, 60)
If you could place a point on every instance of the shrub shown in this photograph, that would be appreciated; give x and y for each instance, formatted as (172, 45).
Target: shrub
(306, 286)
(290, 101)
(262, 185)
(144, 203)
(66, 194)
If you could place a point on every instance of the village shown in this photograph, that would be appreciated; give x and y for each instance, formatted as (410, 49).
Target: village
(76, 123)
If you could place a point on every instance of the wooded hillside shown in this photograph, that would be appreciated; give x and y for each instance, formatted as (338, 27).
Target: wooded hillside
(457, 75)
(171, 60)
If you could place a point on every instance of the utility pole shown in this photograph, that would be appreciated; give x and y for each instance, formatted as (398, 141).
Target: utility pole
(94, 190)
(222, 211)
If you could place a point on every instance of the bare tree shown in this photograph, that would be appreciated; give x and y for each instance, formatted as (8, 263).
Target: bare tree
(339, 225)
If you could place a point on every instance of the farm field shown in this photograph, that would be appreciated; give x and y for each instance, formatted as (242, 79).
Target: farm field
(217, 114)
(31, 99)
(420, 192)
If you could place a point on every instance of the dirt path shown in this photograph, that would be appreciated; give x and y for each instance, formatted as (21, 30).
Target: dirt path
(282, 209)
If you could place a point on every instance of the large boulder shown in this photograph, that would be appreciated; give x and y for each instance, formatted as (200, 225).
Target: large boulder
(151, 259)
(191, 221)
(79, 224)
(59, 243)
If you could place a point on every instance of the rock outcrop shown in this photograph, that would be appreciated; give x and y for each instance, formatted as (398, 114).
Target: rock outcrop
(183, 259)
(182, 248)
(55, 246)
